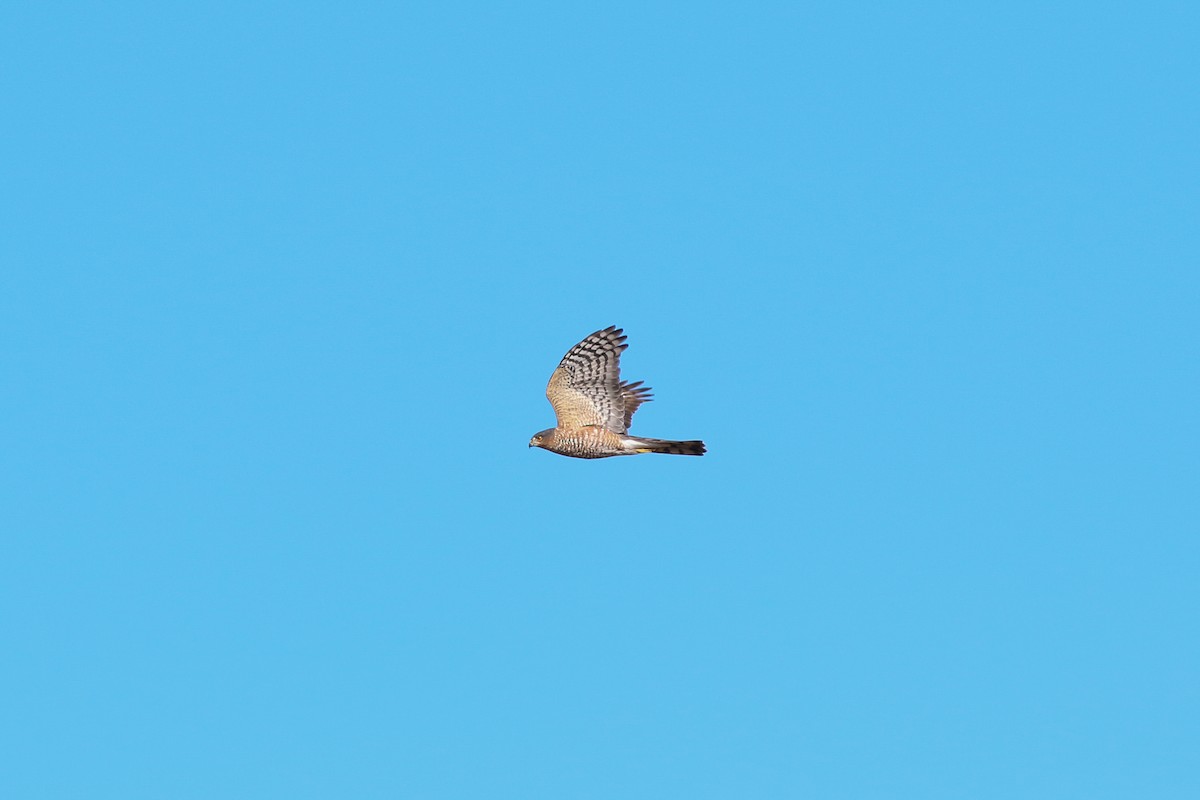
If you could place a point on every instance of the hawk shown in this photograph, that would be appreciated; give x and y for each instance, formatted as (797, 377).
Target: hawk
(594, 406)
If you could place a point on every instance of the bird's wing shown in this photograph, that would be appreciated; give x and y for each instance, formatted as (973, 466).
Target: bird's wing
(633, 394)
(586, 387)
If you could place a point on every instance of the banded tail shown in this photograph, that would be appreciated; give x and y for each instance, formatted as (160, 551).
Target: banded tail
(692, 448)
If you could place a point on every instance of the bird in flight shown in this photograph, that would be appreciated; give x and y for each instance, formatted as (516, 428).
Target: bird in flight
(594, 406)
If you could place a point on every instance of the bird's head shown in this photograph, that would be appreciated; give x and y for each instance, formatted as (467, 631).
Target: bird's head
(540, 438)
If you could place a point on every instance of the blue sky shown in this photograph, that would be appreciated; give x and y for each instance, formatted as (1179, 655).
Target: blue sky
(283, 283)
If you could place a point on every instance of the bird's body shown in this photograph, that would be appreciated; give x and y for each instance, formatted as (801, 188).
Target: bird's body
(586, 442)
(594, 406)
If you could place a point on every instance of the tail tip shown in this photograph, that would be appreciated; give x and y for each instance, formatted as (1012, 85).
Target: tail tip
(690, 448)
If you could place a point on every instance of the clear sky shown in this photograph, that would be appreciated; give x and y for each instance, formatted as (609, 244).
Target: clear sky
(281, 285)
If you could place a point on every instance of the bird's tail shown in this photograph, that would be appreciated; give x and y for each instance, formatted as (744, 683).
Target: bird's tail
(693, 448)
